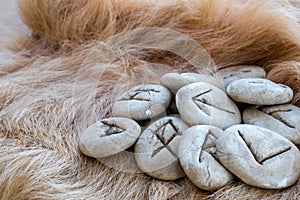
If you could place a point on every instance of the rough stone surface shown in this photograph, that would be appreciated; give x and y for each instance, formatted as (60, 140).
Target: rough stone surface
(233, 73)
(259, 157)
(259, 91)
(204, 104)
(142, 102)
(197, 151)
(175, 81)
(283, 119)
(156, 150)
(108, 137)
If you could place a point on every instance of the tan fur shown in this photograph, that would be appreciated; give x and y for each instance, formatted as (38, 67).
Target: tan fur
(58, 81)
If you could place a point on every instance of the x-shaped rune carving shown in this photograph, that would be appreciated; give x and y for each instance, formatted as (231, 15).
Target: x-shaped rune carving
(135, 95)
(203, 104)
(165, 134)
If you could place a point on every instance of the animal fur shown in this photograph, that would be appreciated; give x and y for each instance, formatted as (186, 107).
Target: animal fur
(59, 80)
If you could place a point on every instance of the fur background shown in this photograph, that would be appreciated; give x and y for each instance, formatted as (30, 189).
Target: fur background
(57, 81)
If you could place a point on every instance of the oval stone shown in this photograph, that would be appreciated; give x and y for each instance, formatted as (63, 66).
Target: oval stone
(156, 150)
(204, 104)
(259, 157)
(175, 81)
(197, 151)
(108, 137)
(259, 91)
(283, 119)
(142, 102)
(233, 73)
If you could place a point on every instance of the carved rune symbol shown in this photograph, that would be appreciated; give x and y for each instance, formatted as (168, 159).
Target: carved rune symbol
(209, 145)
(276, 114)
(237, 73)
(110, 128)
(262, 159)
(139, 95)
(206, 106)
(165, 134)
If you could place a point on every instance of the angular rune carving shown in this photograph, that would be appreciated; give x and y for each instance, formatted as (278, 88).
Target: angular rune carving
(165, 134)
(275, 114)
(209, 145)
(110, 128)
(262, 160)
(138, 95)
(204, 105)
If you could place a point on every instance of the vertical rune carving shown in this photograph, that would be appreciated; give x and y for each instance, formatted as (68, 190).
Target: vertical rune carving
(110, 128)
(203, 104)
(275, 114)
(165, 134)
(134, 95)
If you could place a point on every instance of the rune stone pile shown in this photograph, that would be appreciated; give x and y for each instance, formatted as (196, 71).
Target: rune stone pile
(209, 130)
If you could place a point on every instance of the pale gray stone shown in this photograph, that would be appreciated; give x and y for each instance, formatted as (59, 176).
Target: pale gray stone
(259, 91)
(175, 81)
(108, 137)
(197, 149)
(283, 119)
(204, 104)
(233, 73)
(156, 149)
(259, 156)
(142, 102)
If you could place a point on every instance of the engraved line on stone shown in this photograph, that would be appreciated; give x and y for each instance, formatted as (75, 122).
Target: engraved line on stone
(196, 100)
(275, 154)
(137, 92)
(208, 174)
(205, 141)
(111, 128)
(163, 140)
(253, 154)
(276, 116)
(260, 82)
(208, 149)
(261, 162)
(235, 74)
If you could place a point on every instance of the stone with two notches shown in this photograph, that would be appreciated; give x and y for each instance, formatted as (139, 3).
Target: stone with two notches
(258, 91)
(233, 73)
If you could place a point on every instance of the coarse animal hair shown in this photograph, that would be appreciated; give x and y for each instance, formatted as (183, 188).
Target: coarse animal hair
(59, 80)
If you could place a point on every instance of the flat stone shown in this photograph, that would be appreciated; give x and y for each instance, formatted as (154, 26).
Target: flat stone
(156, 149)
(204, 104)
(233, 73)
(197, 155)
(142, 102)
(175, 81)
(283, 119)
(259, 91)
(259, 157)
(108, 137)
